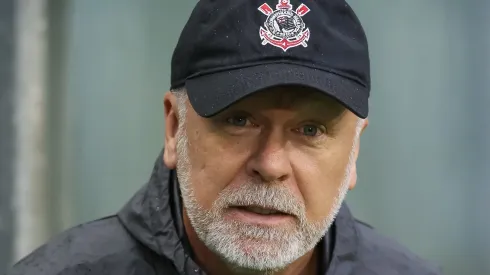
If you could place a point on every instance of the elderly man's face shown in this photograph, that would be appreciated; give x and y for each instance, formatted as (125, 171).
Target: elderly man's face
(263, 180)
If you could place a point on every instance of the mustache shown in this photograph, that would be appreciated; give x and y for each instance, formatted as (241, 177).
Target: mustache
(274, 196)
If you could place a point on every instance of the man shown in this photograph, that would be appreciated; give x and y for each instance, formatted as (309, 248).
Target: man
(262, 127)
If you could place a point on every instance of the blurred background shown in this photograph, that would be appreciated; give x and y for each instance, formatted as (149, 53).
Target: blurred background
(81, 119)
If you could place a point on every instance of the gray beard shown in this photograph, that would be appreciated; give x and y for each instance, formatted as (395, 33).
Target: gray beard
(246, 248)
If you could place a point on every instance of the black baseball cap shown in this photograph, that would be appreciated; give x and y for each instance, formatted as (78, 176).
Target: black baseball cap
(230, 49)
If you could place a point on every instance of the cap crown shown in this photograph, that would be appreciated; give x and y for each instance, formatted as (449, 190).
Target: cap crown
(229, 34)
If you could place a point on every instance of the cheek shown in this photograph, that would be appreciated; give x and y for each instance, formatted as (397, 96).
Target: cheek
(319, 178)
(215, 164)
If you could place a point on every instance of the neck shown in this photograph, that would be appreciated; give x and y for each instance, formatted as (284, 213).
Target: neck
(212, 264)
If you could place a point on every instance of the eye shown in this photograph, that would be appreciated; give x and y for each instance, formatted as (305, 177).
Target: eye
(311, 130)
(239, 121)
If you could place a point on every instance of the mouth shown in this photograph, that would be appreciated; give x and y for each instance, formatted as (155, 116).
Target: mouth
(260, 210)
(260, 216)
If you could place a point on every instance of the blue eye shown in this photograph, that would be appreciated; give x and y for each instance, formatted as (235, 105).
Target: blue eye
(310, 130)
(237, 121)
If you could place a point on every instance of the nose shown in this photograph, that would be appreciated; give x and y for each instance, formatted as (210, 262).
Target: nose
(270, 161)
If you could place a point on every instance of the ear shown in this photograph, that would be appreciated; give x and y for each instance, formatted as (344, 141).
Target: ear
(353, 171)
(171, 128)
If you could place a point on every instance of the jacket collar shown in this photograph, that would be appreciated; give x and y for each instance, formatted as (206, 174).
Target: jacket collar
(154, 217)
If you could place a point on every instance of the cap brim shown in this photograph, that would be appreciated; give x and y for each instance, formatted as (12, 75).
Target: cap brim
(212, 93)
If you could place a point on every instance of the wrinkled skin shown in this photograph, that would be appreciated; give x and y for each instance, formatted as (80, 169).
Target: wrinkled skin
(291, 148)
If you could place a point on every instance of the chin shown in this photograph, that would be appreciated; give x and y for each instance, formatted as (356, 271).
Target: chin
(250, 247)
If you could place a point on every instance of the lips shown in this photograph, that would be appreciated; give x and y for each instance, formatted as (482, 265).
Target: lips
(259, 215)
(261, 210)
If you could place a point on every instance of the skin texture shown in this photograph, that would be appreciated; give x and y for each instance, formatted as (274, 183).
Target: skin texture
(290, 149)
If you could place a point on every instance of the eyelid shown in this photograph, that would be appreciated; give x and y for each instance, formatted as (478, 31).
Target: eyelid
(237, 114)
(316, 124)
(321, 128)
(244, 115)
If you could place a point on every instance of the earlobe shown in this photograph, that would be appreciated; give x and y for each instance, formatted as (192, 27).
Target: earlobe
(171, 128)
(365, 125)
(353, 177)
(353, 171)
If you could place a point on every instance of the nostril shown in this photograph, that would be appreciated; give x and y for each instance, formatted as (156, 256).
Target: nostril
(264, 179)
(269, 167)
(283, 178)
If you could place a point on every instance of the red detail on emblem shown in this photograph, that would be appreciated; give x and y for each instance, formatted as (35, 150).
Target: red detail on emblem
(302, 10)
(284, 4)
(265, 9)
(284, 43)
(284, 27)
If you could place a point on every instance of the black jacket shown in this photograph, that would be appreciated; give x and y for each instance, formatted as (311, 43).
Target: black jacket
(147, 238)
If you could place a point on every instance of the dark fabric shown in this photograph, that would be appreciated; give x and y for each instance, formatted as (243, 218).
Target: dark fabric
(230, 49)
(147, 238)
(210, 94)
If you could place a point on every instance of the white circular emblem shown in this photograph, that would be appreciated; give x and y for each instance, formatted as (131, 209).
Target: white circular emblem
(285, 24)
(284, 27)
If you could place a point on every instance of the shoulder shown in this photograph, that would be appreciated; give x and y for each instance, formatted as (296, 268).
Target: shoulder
(378, 254)
(99, 247)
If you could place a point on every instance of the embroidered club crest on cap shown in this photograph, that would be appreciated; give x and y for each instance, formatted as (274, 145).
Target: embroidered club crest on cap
(284, 27)
(312, 43)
